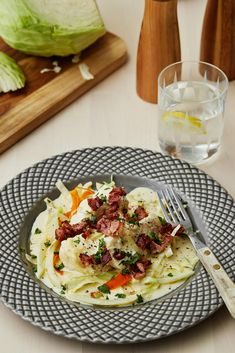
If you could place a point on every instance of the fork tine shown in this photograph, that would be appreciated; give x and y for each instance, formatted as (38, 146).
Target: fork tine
(170, 211)
(163, 207)
(173, 205)
(179, 203)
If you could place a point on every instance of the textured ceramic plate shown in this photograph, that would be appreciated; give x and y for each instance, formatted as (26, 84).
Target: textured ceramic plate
(185, 308)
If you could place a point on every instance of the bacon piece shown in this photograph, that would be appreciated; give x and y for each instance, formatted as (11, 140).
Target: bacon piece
(67, 230)
(143, 241)
(156, 248)
(139, 269)
(103, 225)
(79, 228)
(114, 227)
(167, 228)
(180, 231)
(86, 233)
(118, 254)
(115, 195)
(107, 226)
(86, 260)
(95, 203)
(141, 213)
(106, 257)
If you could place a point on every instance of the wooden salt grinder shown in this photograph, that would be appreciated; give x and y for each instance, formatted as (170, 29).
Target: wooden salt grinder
(159, 45)
(218, 36)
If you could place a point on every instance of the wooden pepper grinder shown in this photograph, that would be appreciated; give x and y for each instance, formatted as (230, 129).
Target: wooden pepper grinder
(218, 36)
(159, 45)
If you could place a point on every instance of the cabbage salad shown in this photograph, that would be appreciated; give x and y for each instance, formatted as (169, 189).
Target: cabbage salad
(102, 246)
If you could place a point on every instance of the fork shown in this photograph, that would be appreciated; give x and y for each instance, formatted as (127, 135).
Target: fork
(175, 213)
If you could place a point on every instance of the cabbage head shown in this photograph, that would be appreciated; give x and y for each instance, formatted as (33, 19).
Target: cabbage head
(50, 27)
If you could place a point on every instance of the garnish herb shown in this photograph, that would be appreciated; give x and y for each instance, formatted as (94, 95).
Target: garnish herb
(153, 236)
(162, 221)
(136, 223)
(47, 243)
(139, 299)
(59, 267)
(103, 198)
(35, 269)
(37, 231)
(125, 271)
(99, 253)
(63, 289)
(102, 243)
(132, 259)
(120, 295)
(93, 218)
(77, 241)
(170, 274)
(104, 289)
(33, 256)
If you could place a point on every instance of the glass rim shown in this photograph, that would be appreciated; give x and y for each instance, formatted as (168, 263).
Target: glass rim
(196, 62)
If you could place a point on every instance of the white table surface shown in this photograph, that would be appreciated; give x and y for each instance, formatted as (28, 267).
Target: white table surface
(112, 114)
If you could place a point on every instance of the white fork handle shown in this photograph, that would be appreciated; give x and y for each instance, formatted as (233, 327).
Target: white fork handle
(225, 286)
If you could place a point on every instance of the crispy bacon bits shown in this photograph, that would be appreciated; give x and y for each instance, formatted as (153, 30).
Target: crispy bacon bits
(110, 217)
(67, 230)
(140, 213)
(95, 203)
(115, 195)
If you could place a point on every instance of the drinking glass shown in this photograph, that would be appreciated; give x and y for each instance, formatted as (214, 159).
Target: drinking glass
(191, 97)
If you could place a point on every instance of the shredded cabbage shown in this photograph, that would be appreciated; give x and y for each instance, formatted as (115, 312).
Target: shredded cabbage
(59, 265)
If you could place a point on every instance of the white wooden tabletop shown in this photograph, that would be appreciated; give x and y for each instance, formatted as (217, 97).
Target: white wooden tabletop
(112, 114)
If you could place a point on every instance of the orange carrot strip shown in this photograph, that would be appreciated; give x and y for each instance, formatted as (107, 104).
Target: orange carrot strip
(118, 281)
(75, 203)
(76, 200)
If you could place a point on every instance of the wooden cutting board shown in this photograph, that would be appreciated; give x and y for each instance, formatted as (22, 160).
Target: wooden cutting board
(45, 94)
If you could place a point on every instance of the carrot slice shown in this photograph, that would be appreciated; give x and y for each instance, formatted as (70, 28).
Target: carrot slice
(118, 281)
(75, 203)
(76, 200)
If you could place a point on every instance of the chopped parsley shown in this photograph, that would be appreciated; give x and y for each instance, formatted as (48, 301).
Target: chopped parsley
(104, 289)
(37, 231)
(132, 259)
(125, 271)
(93, 218)
(63, 289)
(33, 256)
(35, 269)
(170, 274)
(120, 295)
(162, 221)
(59, 267)
(102, 243)
(47, 243)
(77, 241)
(134, 222)
(139, 299)
(103, 198)
(100, 251)
(155, 238)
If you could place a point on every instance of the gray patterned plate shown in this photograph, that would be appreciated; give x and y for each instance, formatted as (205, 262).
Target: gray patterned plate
(185, 308)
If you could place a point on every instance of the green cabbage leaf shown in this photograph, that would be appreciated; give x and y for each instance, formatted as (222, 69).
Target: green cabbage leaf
(50, 27)
(11, 75)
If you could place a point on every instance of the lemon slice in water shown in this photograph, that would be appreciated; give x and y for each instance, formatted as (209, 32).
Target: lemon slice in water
(181, 119)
